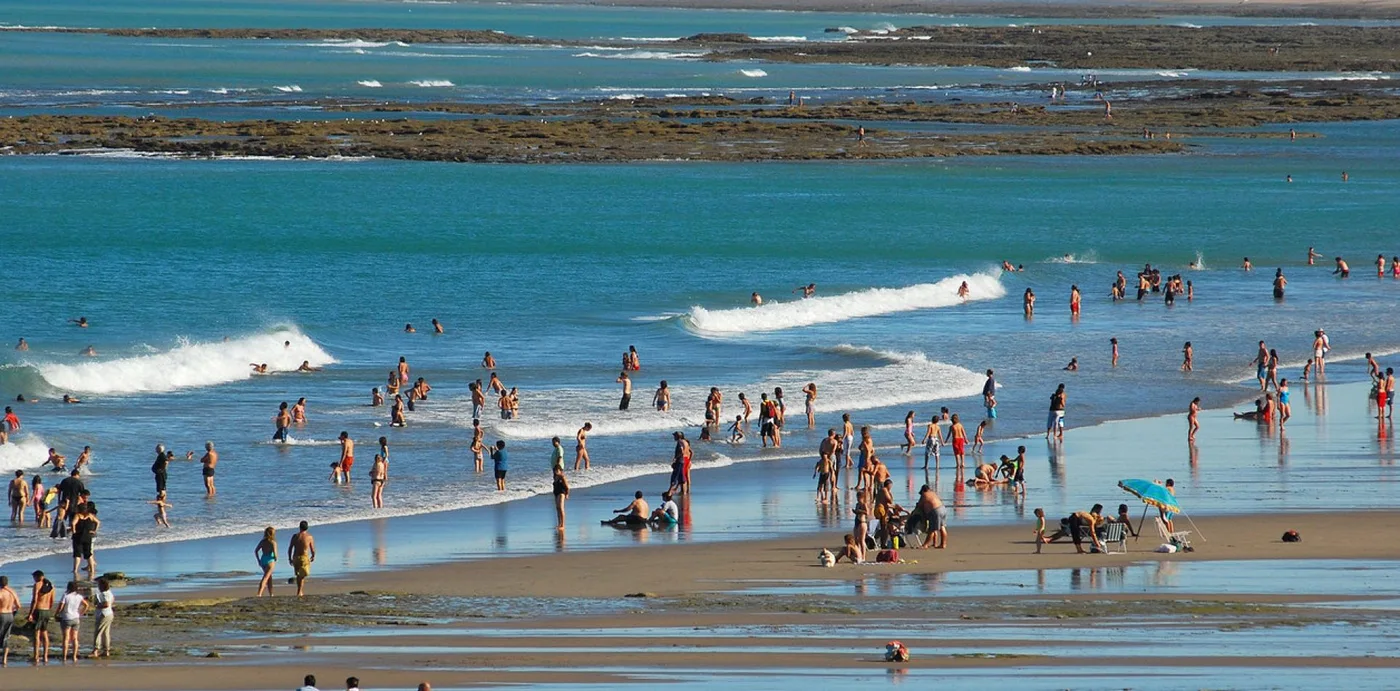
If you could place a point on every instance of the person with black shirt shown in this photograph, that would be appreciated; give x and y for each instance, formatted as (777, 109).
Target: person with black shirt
(85, 525)
(159, 469)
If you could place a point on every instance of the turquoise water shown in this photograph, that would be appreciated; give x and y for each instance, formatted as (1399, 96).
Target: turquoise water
(557, 270)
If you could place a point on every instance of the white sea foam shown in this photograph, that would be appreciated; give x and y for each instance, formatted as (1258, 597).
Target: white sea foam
(892, 378)
(776, 316)
(1090, 257)
(1200, 261)
(1167, 73)
(188, 365)
(431, 82)
(371, 83)
(1189, 25)
(289, 89)
(650, 39)
(353, 43)
(781, 39)
(753, 73)
(1020, 68)
(848, 30)
(23, 452)
(642, 55)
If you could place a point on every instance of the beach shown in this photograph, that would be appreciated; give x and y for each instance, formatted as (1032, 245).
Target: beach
(217, 211)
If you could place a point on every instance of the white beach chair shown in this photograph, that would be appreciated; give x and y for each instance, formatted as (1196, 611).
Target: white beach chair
(1115, 534)
(1181, 538)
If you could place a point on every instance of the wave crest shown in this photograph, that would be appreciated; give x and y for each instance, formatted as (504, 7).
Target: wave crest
(188, 365)
(777, 316)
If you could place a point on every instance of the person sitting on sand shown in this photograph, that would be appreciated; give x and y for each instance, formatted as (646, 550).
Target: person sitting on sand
(633, 515)
(666, 515)
(850, 551)
(1256, 414)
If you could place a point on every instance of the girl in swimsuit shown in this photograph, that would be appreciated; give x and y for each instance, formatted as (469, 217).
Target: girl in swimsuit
(266, 554)
(908, 446)
(811, 391)
(378, 473)
(1285, 410)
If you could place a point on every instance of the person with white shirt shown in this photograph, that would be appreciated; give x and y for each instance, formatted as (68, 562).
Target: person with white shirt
(667, 514)
(102, 639)
(308, 683)
(70, 612)
(353, 683)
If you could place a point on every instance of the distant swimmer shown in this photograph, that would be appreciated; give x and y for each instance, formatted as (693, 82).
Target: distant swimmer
(1288, 178)
(633, 359)
(306, 367)
(807, 291)
(963, 290)
(299, 411)
(1074, 300)
(1028, 302)
(1114, 342)
(1292, 135)
(403, 371)
(1342, 268)
(396, 415)
(68, 398)
(1380, 266)
(82, 322)
(286, 344)
(89, 352)
(1395, 267)
(1345, 177)
(1279, 284)
(1188, 355)
(437, 327)
(488, 362)
(1006, 266)
(84, 458)
(258, 369)
(755, 299)
(24, 345)
(495, 384)
(55, 459)
(376, 398)
(581, 446)
(1247, 266)
(1312, 255)
(1073, 365)
(408, 329)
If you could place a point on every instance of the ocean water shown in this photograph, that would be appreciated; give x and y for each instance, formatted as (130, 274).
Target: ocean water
(190, 270)
(557, 270)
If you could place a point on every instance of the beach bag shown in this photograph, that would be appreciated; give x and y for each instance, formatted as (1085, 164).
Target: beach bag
(1292, 536)
(887, 556)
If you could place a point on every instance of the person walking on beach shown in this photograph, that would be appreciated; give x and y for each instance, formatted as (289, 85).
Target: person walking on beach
(1056, 421)
(282, 420)
(1192, 424)
(103, 600)
(266, 554)
(561, 494)
(581, 446)
(378, 475)
(500, 462)
(302, 549)
(1261, 362)
(907, 446)
(626, 383)
(70, 612)
(208, 462)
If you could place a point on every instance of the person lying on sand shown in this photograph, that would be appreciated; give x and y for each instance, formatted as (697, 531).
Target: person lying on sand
(1254, 414)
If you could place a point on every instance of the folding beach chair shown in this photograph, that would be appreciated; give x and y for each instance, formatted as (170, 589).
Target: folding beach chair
(1181, 538)
(1115, 534)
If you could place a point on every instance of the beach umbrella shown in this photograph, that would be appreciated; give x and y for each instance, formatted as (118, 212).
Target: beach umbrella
(1152, 495)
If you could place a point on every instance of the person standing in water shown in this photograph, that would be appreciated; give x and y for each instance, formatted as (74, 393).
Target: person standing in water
(810, 390)
(561, 494)
(378, 475)
(283, 421)
(626, 383)
(1056, 422)
(1187, 355)
(19, 497)
(1114, 342)
(581, 446)
(1028, 303)
(302, 549)
(1279, 284)
(1074, 300)
(1342, 269)
(1319, 352)
(633, 360)
(347, 456)
(207, 463)
(662, 398)
(266, 554)
(989, 395)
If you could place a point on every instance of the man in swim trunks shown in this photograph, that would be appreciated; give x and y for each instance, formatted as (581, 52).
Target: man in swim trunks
(1074, 300)
(934, 515)
(303, 552)
(283, 420)
(347, 455)
(41, 613)
(1387, 388)
(9, 606)
(957, 436)
(210, 459)
(626, 383)
(633, 515)
(1056, 421)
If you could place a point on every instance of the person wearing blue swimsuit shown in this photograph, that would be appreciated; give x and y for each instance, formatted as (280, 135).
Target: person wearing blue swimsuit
(266, 553)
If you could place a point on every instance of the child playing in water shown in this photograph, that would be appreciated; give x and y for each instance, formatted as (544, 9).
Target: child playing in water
(1039, 529)
(977, 438)
(1307, 367)
(161, 505)
(335, 472)
(736, 430)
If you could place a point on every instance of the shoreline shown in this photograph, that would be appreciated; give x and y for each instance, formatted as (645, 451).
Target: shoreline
(1302, 9)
